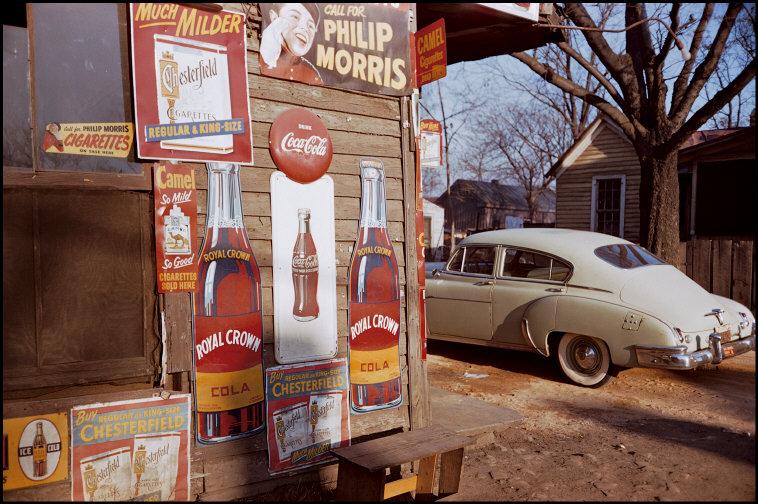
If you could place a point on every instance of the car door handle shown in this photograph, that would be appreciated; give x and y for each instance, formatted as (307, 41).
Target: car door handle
(486, 282)
(556, 289)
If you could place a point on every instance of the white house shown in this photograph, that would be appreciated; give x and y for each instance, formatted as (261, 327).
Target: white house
(434, 235)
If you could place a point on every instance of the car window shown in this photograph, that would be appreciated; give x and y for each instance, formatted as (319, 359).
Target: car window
(479, 260)
(457, 261)
(626, 256)
(527, 264)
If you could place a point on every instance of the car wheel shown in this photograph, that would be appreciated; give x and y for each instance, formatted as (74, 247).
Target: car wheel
(584, 360)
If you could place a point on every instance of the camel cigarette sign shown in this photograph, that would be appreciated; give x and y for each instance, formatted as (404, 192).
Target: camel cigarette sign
(190, 84)
(430, 49)
(175, 227)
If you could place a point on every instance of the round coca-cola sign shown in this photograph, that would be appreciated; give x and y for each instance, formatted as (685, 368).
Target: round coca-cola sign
(300, 145)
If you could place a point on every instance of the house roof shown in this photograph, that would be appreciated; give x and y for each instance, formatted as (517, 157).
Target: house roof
(584, 141)
(495, 194)
(699, 142)
(733, 143)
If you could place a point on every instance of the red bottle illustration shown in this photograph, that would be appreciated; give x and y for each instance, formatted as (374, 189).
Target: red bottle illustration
(228, 347)
(305, 270)
(374, 303)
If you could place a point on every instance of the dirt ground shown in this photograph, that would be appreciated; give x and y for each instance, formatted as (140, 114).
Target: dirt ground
(647, 435)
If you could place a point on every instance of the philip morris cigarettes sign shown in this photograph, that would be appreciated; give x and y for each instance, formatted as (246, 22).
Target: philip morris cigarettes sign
(307, 412)
(131, 450)
(358, 46)
(430, 51)
(88, 139)
(35, 450)
(190, 84)
(175, 227)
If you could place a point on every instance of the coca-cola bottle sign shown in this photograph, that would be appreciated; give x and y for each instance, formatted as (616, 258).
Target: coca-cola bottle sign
(300, 145)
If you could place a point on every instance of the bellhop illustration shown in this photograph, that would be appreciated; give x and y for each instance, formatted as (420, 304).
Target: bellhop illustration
(303, 239)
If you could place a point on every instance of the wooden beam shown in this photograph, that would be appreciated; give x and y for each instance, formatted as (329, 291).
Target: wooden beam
(401, 486)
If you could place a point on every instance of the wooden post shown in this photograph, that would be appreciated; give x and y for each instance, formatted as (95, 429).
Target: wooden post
(418, 386)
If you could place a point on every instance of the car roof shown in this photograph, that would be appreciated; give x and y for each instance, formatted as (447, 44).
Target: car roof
(567, 243)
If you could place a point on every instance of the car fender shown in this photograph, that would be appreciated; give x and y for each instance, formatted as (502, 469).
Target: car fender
(620, 327)
(539, 321)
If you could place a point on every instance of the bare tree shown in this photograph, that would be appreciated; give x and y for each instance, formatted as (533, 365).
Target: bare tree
(635, 96)
(453, 112)
(528, 139)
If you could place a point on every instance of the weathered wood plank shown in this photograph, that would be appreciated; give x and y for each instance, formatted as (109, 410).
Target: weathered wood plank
(267, 111)
(178, 313)
(701, 267)
(303, 95)
(722, 267)
(742, 271)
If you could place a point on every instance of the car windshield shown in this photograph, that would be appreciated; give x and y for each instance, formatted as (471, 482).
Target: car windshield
(626, 256)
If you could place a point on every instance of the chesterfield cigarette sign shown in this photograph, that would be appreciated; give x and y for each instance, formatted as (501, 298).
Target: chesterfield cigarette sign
(190, 81)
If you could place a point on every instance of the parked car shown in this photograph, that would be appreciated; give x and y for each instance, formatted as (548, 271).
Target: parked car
(596, 303)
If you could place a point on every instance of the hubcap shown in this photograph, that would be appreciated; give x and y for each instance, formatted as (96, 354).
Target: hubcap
(585, 355)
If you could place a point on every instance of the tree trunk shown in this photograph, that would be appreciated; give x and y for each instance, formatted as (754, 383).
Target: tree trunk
(659, 204)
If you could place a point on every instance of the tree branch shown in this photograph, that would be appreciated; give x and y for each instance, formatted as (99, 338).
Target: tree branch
(681, 82)
(592, 70)
(708, 65)
(669, 42)
(550, 76)
(715, 104)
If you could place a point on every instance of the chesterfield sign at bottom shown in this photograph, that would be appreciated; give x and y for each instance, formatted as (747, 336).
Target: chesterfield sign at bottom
(35, 450)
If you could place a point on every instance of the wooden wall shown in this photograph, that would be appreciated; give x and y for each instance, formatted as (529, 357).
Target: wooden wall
(724, 267)
(360, 125)
(608, 154)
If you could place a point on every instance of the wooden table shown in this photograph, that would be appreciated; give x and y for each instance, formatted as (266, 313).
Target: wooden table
(362, 468)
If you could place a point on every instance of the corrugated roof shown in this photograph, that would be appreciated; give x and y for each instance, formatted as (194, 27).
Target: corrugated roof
(495, 195)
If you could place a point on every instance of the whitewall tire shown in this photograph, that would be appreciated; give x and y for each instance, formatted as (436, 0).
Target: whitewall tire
(584, 360)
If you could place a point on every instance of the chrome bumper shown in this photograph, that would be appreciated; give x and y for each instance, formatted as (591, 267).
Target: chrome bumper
(676, 358)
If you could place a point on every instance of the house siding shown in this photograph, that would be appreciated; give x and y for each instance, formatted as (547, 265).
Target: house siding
(608, 154)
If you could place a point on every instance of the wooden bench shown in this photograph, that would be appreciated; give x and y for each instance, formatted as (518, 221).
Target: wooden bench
(362, 468)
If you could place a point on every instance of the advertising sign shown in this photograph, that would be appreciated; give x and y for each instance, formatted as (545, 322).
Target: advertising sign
(300, 145)
(228, 323)
(131, 450)
(190, 83)
(374, 302)
(175, 194)
(306, 405)
(361, 46)
(35, 450)
(529, 11)
(89, 139)
(305, 272)
(431, 143)
(430, 53)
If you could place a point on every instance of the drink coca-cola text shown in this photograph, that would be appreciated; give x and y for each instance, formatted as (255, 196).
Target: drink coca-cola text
(314, 144)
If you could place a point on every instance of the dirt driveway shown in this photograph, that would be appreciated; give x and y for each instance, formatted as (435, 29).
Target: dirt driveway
(648, 435)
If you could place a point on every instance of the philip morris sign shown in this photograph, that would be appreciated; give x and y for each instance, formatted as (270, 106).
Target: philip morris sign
(190, 84)
(358, 46)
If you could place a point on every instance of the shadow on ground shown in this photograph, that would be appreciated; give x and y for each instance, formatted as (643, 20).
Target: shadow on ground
(736, 446)
(508, 360)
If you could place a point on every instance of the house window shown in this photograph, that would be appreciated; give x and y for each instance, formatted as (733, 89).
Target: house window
(79, 301)
(608, 204)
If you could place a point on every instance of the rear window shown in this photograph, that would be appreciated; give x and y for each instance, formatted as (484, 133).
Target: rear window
(626, 256)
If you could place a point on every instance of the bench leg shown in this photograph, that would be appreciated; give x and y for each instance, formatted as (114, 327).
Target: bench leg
(425, 482)
(354, 483)
(451, 467)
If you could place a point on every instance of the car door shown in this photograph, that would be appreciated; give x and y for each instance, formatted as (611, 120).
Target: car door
(459, 298)
(524, 276)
